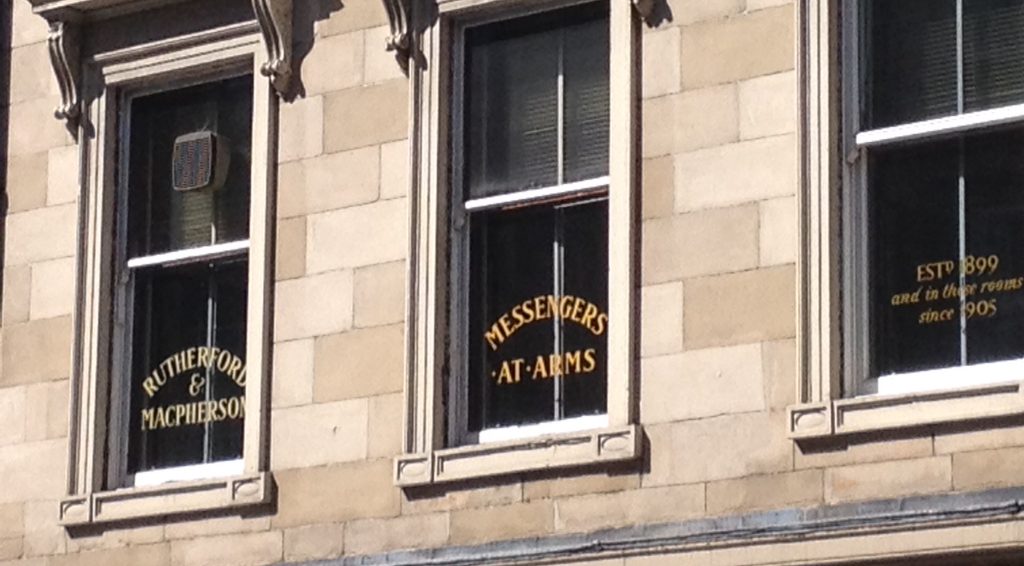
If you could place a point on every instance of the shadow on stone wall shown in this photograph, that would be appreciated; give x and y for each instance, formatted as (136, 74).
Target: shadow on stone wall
(307, 13)
(6, 17)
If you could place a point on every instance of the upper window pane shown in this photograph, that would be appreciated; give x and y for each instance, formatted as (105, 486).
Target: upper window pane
(162, 218)
(932, 58)
(911, 67)
(993, 53)
(537, 101)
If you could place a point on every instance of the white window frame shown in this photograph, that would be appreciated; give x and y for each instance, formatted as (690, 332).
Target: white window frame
(99, 491)
(834, 396)
(615, 436)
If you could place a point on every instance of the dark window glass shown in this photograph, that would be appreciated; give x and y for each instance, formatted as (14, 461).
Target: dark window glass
(538, 312)
(914, 221)
(188, 375)
(993, 53)
(994, 216)
(187, 319)
(947, 270)
(912, 65)
(537, 116)
(162, 219)
(521, 76)
(913, 70)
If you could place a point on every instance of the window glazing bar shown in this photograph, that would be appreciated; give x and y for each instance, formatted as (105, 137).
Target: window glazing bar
(215, 251)
(536, 195)
(942, 126)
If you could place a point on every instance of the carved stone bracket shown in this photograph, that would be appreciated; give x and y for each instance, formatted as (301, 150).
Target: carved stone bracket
(399, 13)
(645, 8)
(65, 44)
(275, 21)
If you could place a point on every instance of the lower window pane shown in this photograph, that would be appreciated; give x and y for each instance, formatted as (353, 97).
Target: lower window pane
(914, 222)
(585, 276)
(538, 322)
(188, 372)
(994, 265)
(947, 269)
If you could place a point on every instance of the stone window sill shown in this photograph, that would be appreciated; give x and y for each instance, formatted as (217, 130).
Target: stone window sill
(894, 412)
(166, 499)
(555, 451)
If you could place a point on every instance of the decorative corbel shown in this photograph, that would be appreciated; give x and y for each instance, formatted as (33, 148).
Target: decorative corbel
(65, 45)
(399, 12)
(645, 8)
(275, 21)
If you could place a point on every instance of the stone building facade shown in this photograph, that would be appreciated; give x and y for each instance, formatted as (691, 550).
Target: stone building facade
(731, 423)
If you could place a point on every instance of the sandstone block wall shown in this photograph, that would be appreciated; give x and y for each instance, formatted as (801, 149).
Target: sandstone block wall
(718, 246)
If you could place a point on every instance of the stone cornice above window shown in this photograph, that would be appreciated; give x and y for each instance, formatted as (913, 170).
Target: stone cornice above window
(93, 9)
(66, 18)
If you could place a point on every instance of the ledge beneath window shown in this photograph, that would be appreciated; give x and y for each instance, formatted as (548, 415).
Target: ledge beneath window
(894, 412)
(168, 499)
(556, 451)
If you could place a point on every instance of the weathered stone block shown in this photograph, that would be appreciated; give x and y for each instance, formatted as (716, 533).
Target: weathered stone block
(661, 319)
(333, 63)
(359, 363)
(380, 294)
(290, 256)
(248, 549)
(300, 129)
(741, 47)
(36, 351)
(41, 234)
(737, 308)
(362, 116)
(768, 105)
(293, 373)
(699, 243)
(27, 179)
(882, 480)
(12, 421)
(661, 66)
(635, 507)
(30, 473)
(702, 383)
(332, 181)
(779, 223)
(313, 305)
(368, 536)
(387, 416)
(780, 373)
(62, 175)
(46, 410)
(515, 521)
(394, 169)
(361, 490)
(316, 435)
(736, 173)
(53, 288)
(759, 437)
(988, 468)
(567, 484)
(385, 220)
(380, 64)
(314, 542)
(658, 187)
(776, 491)
(354, 15)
